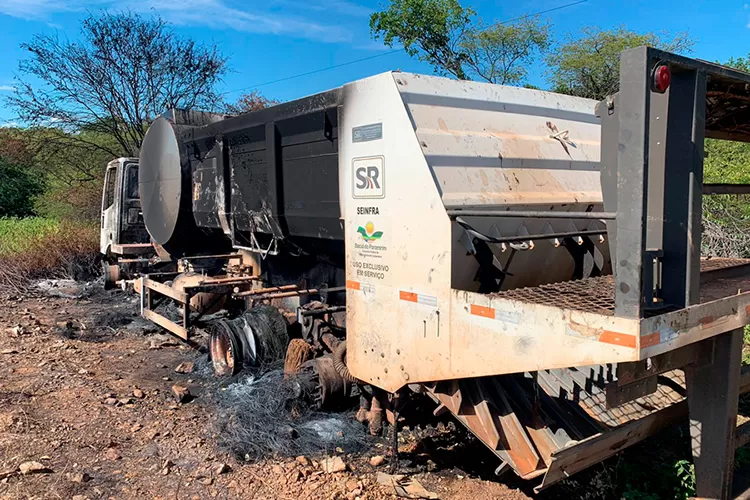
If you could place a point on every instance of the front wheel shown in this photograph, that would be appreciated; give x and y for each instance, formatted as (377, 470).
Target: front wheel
(111, 275)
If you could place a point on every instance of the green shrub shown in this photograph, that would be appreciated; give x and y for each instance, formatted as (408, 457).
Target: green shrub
(18, 187)
(17, 235)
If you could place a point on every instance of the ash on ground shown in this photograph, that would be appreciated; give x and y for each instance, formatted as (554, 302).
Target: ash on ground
(65, 288)
(268, 415)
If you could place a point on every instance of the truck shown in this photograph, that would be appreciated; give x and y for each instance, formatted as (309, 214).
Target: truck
(527, 260)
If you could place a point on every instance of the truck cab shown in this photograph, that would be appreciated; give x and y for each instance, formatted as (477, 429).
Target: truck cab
(123, 233)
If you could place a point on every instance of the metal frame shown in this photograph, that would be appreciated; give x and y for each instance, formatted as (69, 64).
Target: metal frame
(659, 165)
(659, 176)
(152, 288)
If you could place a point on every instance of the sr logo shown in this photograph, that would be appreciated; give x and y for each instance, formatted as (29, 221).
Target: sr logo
(368, 177)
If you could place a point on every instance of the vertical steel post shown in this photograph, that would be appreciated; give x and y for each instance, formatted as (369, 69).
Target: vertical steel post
(659, 212)
(712, 393)
(632, 181)
(683, 180)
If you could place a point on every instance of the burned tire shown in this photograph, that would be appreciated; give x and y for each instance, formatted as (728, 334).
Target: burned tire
(256, 339)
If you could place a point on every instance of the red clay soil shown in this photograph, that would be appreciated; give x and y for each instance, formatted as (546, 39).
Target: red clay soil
(89, 399)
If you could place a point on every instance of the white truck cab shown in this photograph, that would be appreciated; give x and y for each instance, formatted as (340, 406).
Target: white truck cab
(123, 233)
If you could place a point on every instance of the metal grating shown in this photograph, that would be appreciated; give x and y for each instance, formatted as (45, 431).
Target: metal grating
(671, 390)
(597, 295)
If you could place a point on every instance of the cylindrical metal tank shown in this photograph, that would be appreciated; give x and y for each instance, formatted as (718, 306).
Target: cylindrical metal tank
(165, 180)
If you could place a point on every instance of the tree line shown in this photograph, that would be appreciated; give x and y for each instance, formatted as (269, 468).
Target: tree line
(87, 101)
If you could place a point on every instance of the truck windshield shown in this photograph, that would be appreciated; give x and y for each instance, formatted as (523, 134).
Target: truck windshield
(132, 182)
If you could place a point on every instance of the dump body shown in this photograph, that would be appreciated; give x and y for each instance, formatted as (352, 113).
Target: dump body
(479, 263)
(437, 145)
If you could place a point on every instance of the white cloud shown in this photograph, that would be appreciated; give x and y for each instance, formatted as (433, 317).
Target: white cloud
(39, 9)
(345, 7)
(279, 17)
(219, 15)
(373, 46)
(7, 88)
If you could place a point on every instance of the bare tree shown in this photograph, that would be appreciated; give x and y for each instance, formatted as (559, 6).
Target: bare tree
(123, 73)
(726, 226)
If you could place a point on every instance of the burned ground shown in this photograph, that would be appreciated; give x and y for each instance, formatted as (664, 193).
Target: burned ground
(86, 391)
(86, 395)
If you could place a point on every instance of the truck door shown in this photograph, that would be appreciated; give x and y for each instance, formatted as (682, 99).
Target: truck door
(132, 227)
(109, 213)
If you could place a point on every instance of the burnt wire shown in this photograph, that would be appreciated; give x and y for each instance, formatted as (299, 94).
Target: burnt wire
(262, 413)
(269, 415)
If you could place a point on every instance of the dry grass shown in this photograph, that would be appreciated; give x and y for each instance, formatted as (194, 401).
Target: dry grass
(35, 249)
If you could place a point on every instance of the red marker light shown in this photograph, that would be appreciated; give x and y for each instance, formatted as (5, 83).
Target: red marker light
(662, 78)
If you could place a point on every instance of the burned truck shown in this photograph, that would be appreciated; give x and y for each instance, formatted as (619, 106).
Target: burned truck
(529, 261)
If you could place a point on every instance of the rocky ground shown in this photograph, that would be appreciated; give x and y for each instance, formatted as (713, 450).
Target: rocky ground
(87, 410)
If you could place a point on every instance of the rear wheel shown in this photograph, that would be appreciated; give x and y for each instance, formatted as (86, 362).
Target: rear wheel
(226, 356)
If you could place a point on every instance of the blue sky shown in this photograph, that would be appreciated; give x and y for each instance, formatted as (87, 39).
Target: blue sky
(268, 40)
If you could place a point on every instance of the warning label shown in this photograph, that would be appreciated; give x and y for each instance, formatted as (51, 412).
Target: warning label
(364, 269)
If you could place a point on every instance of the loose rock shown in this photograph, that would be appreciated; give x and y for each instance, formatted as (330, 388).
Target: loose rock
(352, 485)
(182, 393)
(332, 465)
(33, 468)
(377, 460)
(184, 367)
(223, 469)
(78, 477)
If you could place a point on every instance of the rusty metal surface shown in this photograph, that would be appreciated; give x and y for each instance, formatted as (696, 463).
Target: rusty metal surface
(717, 263)
(166, 323)
(525, 425)
(579, 455)
(483, 406)
(669, 391)
(527, 420)
(597, 295)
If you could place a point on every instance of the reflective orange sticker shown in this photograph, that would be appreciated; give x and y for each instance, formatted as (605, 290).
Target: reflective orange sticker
(616, 338)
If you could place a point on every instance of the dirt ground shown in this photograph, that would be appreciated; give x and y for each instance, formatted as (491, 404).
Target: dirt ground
(85, 392)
